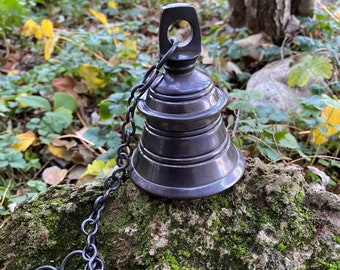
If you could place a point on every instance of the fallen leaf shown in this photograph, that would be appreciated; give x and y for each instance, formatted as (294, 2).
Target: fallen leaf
(65, 84)
(55, 150)
(97, 167)
(68, 144)
(47, 28)
(54, 175)
(26, 140)
(38, 34)
(99, 16)
(92, 76)
(49, 47)
(112, 4)
(332, 118)
(29, 28)
(253, 43)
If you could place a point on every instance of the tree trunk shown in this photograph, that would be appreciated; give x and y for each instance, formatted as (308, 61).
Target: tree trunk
(270, 219)
(271, 17)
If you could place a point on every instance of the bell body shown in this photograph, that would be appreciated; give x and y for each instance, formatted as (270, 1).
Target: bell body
(184, 151)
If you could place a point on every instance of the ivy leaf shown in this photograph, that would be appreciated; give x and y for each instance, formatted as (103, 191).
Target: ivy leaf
(35, 102)
(58, 120)
(299, 76)
(321, 66)
(13, 158)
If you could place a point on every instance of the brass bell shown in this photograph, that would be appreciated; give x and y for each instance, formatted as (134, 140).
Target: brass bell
(184, 151)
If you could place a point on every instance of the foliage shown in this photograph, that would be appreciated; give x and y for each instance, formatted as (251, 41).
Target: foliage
(65, 109)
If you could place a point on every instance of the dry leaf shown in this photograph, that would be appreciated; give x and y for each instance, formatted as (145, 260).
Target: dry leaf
(253, 43)
(26, 140)
(66, 85)
(99, 16)
(54, 175)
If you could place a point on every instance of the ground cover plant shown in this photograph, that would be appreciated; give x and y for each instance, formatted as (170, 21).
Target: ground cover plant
(67, 70)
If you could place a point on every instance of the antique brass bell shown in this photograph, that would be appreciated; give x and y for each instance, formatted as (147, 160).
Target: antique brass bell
(184, 151)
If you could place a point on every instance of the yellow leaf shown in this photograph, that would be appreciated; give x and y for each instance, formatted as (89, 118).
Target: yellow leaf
(130, 49)
(13, 72)
(47, 28)
(112, 4)
(98, 167)
(49, 47)
(38, 33)
(25, 141)
(116, 29)
(55, 151)
(29, 28)
(332, 118)
(92, 76)
(99, 16)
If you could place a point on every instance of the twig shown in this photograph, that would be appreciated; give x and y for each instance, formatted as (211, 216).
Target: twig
(5, 192)
(313, 156)
(327, 11)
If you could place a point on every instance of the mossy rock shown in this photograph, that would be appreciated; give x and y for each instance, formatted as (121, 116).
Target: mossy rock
(270, 219)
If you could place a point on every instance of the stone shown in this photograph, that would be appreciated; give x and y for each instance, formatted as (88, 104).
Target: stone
(271, 81)
(270, 219)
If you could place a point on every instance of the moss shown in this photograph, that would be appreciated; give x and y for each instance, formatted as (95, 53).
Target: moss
(281, 246)
(265, 221)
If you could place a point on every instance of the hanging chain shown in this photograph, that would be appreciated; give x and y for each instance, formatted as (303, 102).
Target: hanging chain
(89, 226)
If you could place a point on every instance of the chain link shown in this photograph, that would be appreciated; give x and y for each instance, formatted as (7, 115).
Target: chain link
(89, 226)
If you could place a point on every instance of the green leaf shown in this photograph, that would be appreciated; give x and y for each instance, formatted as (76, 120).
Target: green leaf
(36, 185)
(95, 136)
(35, 102)
(104, 110)
(321, 66)
(268, 152)
(286, 139)
(56, 121)
(255, 95)
(65, 101)
(299, 76)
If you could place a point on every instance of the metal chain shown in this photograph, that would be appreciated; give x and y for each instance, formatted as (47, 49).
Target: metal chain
(89, 226)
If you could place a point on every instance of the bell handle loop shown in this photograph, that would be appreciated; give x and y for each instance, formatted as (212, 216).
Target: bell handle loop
(175, 12)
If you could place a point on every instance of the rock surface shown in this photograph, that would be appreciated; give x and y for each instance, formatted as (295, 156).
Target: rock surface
(270, 219)
(271, 80)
